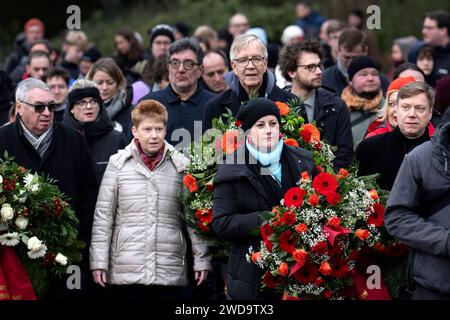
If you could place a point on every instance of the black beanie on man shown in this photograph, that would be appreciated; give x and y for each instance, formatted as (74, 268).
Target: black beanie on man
(81, 93)
(254, 110)
(161, 30)
(359, 63)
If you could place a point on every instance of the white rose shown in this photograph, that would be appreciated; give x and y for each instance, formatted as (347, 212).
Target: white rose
(22, 223)
(34, 244)
(7, 212)
(61, 259)
(1, 179)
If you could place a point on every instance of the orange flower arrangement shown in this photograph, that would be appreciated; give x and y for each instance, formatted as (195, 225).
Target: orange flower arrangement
(291, 142)
(310, 133)
(283, 107)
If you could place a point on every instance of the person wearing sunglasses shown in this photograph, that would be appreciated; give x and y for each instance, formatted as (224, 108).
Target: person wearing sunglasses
(301, 63)
(249, 78)
(87, 114)
(39, 143)
(184, 99)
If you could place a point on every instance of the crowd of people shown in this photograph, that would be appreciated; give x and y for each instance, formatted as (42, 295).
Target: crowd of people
(110, 131)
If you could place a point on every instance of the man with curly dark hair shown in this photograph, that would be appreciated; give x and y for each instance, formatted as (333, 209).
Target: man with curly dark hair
(301, 63)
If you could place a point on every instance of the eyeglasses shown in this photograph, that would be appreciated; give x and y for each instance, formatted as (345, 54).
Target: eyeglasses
(243, 62)
(83, 104)
(311, 67)
(39, 108)
(187, 64)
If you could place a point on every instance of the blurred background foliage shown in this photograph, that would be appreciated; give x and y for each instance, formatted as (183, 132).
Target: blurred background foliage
(100, 19)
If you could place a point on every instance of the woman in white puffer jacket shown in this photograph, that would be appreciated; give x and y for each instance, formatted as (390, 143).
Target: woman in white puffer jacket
(138, 244)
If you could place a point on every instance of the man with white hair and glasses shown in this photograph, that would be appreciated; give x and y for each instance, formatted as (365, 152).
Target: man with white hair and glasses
(40, 144)
(250, 78)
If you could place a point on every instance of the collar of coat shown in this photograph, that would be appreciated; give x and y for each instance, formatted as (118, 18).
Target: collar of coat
(179, 161)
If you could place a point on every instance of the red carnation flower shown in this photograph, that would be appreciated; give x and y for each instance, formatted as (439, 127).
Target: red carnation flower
(340, 267)
(324, 183)
(307, 274)
(204, 215)
(238, 123)
(320, 248)
(287, 241)
(327, 294)
(294, 197)
(270, 281)
(190, 182)
(333, 198)
(289, 218)
(314, 200)
(377, 217)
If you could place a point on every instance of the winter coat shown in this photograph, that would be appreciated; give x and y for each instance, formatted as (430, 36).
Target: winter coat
(384, 154)
(239, 200)
(137, 235)
(67, 161)
(418, 211)
(233, 98)
(102, 140)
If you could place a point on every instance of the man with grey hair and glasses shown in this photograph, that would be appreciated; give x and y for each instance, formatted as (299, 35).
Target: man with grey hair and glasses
(249, 78)
(40, 144)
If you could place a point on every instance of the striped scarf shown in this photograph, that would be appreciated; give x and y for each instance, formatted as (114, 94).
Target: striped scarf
(40, 144)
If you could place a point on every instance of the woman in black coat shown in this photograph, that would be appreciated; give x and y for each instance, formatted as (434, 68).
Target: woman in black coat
(245, 189)
(87, 115)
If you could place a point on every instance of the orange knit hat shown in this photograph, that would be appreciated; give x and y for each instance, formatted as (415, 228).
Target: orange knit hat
(398, 83)
(34, 22)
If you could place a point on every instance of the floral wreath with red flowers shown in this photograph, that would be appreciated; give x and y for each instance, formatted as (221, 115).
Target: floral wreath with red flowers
(38, 223)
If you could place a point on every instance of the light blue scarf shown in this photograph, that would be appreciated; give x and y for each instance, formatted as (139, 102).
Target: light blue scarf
(270, 160)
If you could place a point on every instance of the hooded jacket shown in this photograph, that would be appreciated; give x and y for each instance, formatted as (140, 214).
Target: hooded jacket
(418, 211)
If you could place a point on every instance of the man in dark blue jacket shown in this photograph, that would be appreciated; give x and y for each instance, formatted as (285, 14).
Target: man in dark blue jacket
(301, 63)
(183, 98)
(250, 78)
(418, 215)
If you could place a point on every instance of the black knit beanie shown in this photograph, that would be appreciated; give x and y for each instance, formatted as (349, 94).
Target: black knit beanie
(360, 63)
(78, 94)
(161, 30)
(254, 110)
